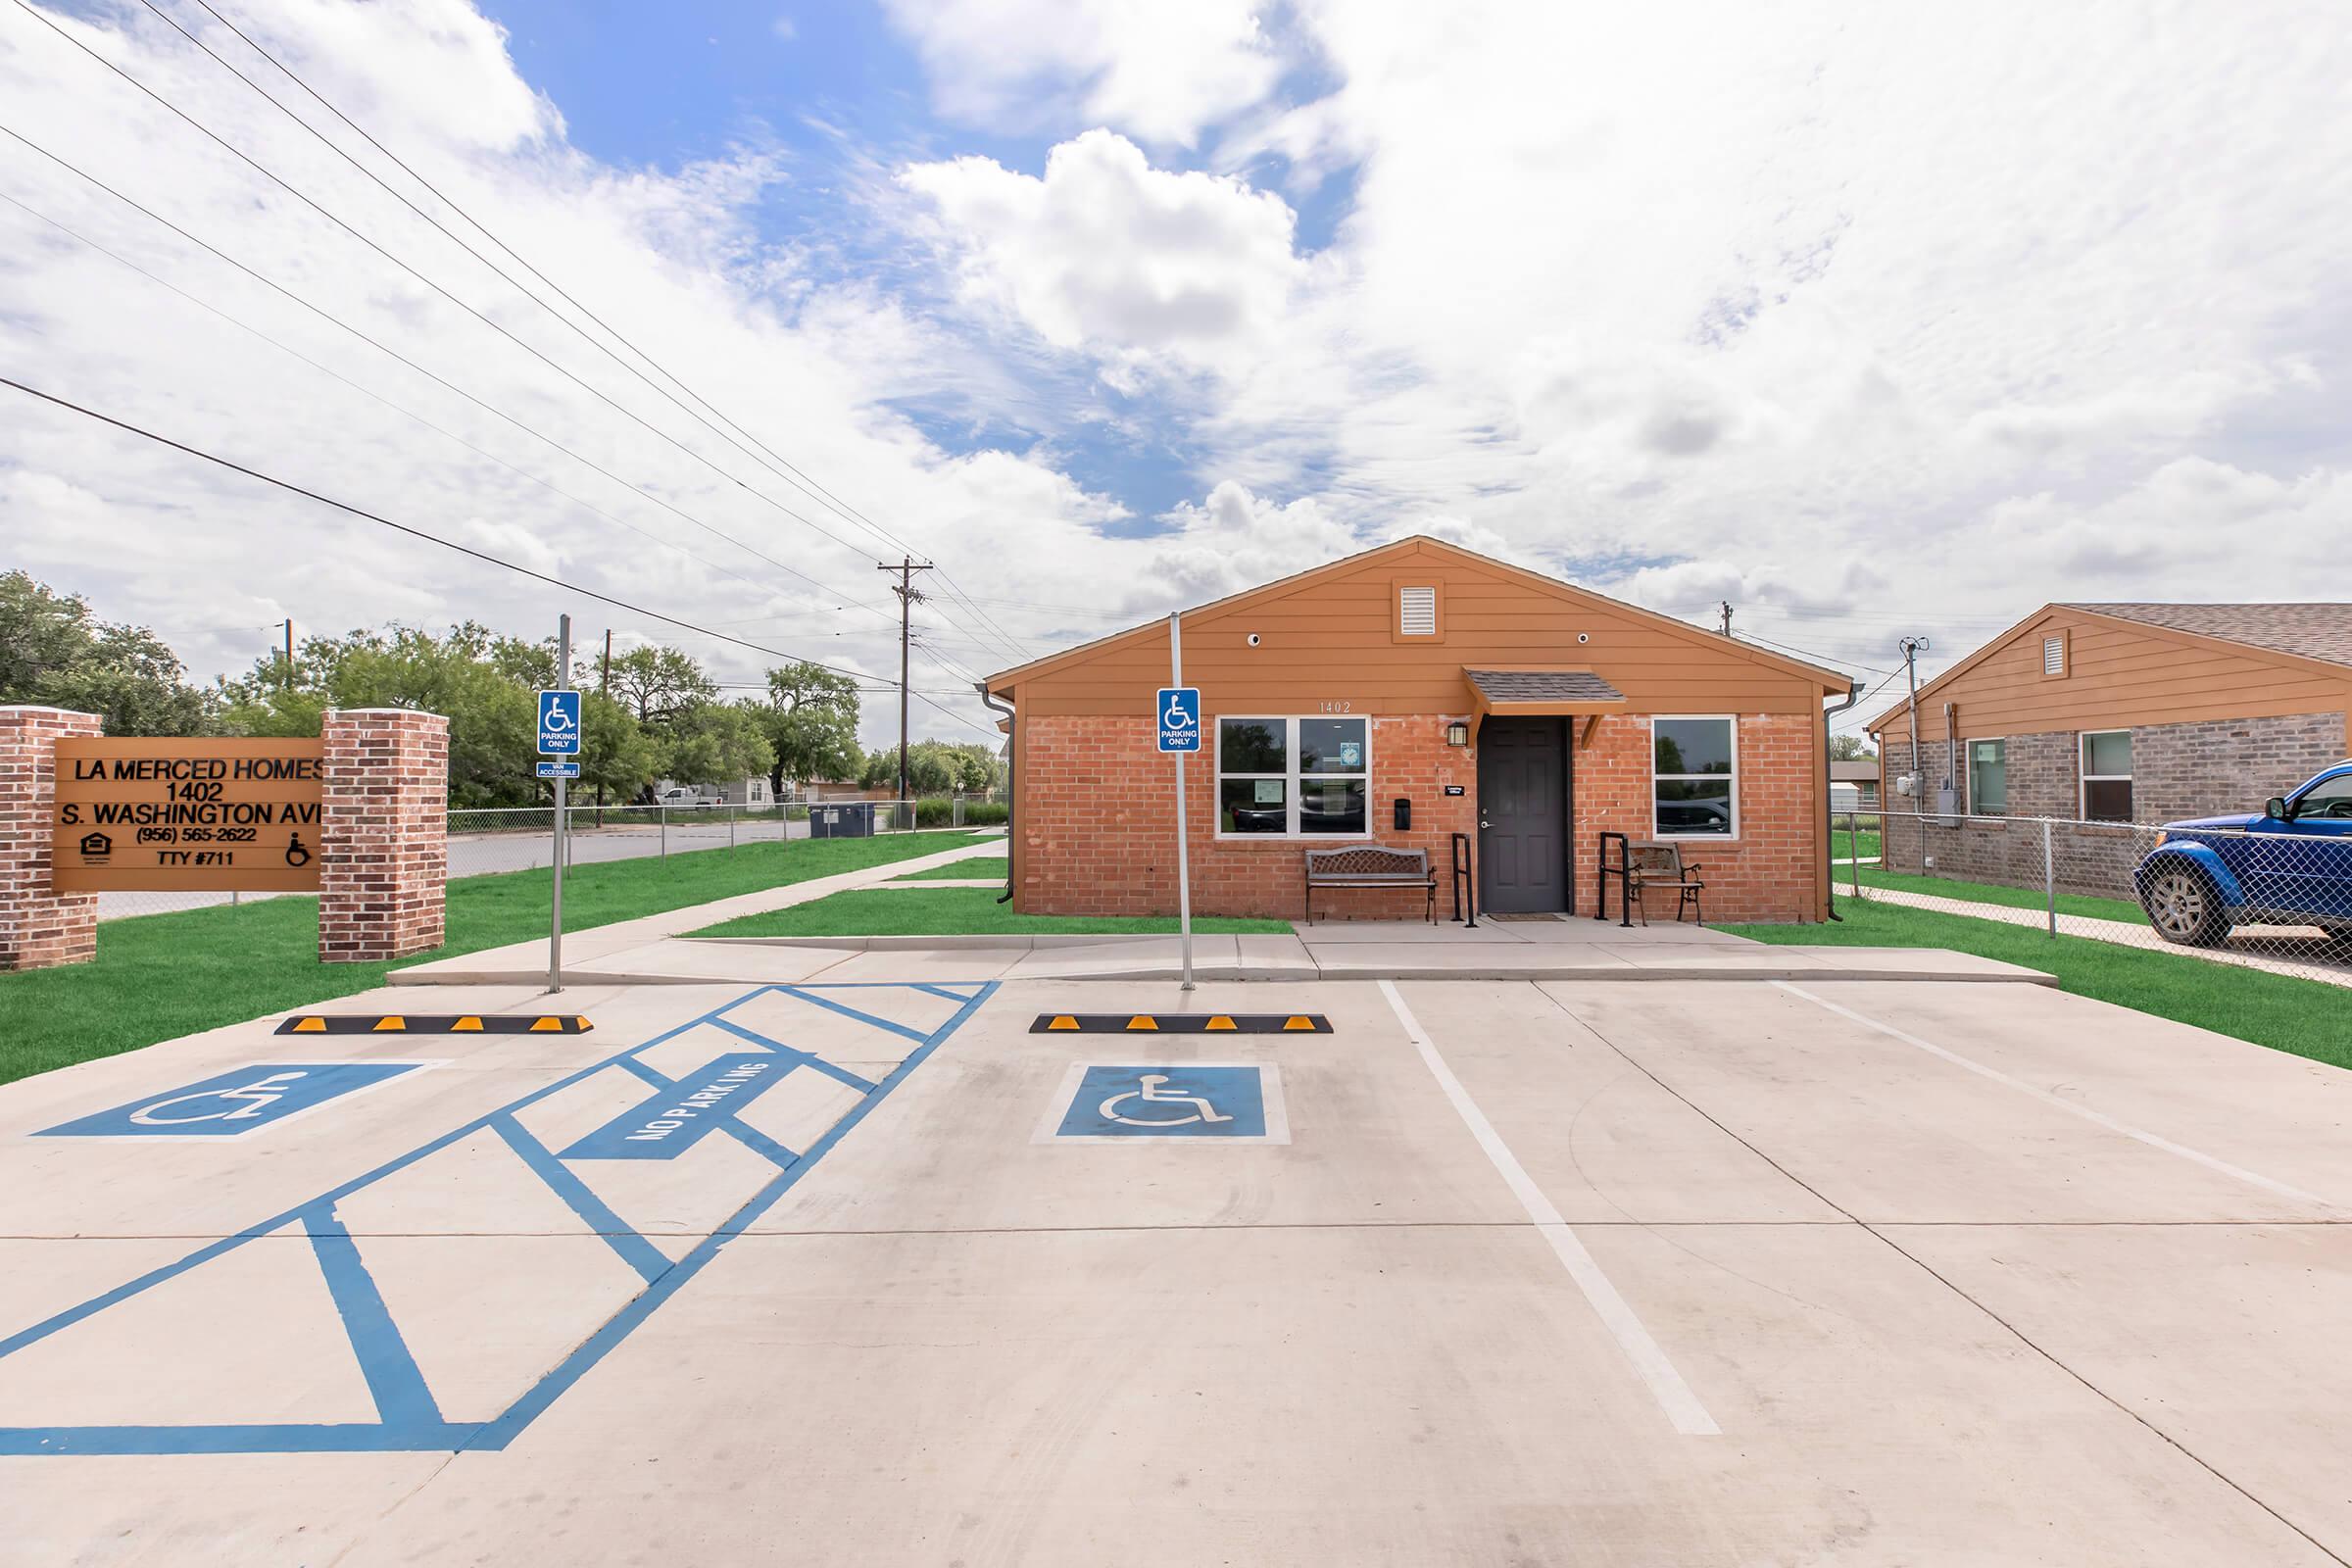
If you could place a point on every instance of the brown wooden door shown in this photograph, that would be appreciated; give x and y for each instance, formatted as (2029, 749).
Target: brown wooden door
(1523, 816)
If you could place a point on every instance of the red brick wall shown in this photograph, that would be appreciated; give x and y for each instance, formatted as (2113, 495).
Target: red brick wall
(1770, 872)
(385, 834)
(1095, 812)
(1097, 824)
(38, 929)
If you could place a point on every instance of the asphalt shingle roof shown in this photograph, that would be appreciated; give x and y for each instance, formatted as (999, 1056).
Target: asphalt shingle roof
(2313, 630)
(1544, 686)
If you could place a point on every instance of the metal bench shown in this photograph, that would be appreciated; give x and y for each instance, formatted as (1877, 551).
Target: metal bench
(1371, 866)
(1659, 867)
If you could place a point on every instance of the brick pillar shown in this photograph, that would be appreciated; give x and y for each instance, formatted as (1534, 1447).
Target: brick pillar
(38, 929)
(383, 834)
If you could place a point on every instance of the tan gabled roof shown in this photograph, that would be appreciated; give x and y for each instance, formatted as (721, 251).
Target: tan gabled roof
(1829, 680)
(2306, 634)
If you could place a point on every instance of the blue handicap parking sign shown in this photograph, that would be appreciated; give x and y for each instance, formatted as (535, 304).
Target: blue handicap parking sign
(1179, 711)
(1203, 1100)
(234, 1104)
(558, 723)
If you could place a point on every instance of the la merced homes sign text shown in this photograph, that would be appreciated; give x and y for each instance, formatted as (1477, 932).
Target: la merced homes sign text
(188, 816)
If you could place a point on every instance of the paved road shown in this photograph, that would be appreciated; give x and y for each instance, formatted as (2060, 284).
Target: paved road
(479, 854)
(1638, 1273)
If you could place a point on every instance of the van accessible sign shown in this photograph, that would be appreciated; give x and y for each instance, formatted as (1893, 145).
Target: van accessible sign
(186, 815)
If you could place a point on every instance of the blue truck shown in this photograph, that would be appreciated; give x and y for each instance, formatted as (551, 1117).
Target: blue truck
(2288, 865)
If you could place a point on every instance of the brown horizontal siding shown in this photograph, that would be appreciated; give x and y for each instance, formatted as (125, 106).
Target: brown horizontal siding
(2118, 677)
(1329, 641)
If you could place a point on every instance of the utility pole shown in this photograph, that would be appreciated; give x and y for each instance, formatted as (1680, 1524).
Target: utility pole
(1725, 606)
(286, 683)
(604, 689)
(1912, 648)
(908, 597)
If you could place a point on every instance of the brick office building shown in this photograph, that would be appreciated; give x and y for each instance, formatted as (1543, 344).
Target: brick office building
(2122, 712)
(1404, 696)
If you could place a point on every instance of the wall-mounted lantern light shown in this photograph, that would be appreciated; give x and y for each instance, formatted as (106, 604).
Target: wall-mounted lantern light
(1457, 733)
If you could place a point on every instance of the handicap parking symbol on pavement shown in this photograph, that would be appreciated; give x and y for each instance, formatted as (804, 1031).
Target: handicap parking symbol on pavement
(234, 1103)
(1102, 1103)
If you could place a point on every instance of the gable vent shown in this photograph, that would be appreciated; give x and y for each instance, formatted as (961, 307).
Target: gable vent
(2054, 656)
(1417, 612)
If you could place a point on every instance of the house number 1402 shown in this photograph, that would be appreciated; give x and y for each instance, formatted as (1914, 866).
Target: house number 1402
(1339, 708)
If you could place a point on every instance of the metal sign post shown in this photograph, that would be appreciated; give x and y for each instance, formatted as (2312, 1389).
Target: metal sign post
(1178, 717)
(554, 718)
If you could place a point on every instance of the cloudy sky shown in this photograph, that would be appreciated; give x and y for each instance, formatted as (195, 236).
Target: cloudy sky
(1869, 319)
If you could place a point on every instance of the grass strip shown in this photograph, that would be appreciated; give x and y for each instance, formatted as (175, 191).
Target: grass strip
(2008, 898)
(978, 866)
(2303, 1017)
(952, 912)
(159, 976)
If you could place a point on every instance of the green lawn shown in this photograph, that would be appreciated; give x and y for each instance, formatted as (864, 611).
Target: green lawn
(979, 866)
(1861, 846)
(949, 912)
(2305, 1018)
(162, 976)
(1944, 887)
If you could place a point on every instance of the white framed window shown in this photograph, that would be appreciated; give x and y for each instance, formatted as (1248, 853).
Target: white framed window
(1989, 777)
(1695, 784)
(1300, 778)
(2107, 775)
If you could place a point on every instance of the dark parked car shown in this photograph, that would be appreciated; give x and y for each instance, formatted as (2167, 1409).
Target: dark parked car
(2289, 865)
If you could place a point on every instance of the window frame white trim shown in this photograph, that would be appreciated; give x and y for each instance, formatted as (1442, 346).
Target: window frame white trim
(1967, 774)
(1293, 782)
(2084, 777)
(1659, 834)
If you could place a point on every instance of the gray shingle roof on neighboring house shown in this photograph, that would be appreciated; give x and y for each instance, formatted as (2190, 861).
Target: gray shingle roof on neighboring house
(2313, 630)
(1544, 686)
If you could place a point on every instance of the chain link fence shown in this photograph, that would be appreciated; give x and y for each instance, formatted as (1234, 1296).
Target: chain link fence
(2278, 899)
(521, 838)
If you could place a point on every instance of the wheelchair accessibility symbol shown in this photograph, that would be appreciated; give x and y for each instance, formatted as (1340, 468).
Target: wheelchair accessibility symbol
(1179, 711)
(1099, 1102)
(237, 1102)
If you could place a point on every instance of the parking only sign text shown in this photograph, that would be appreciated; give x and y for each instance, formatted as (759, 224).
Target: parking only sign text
(558, 723)
(1179, 712)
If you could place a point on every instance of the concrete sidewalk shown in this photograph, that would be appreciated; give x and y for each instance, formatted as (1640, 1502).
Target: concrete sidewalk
(1551, 950)
(2327, 962)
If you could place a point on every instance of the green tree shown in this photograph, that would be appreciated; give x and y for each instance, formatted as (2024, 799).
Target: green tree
(53, 650)
(656, 683)
(1850, 749)
(811, 718)
(714, 743)
(493, 728)
(617, 756)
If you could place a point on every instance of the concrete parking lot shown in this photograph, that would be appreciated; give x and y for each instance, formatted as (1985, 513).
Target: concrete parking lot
(1721, 1272)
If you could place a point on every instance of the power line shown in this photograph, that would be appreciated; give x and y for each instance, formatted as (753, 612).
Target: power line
(790, 472)
(325, 369)
(417, 533)
(384, 348)
(265, 173)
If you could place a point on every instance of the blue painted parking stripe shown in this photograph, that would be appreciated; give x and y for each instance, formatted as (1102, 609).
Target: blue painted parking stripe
(497, 1433)
(420, 1428)
(863, 1086)
(649, 1260)
(394, 1381)
(943, 991)
(847, 1011)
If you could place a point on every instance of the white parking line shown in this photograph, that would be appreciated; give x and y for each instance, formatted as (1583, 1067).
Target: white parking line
(2152, 1140)
(1650, 1362)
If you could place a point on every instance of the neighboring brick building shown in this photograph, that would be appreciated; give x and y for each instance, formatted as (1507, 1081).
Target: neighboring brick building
(2126, 713)
(1400, 675)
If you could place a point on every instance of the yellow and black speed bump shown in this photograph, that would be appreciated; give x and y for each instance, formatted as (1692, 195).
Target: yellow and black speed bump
(439, 1023)
(1181, 1023)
